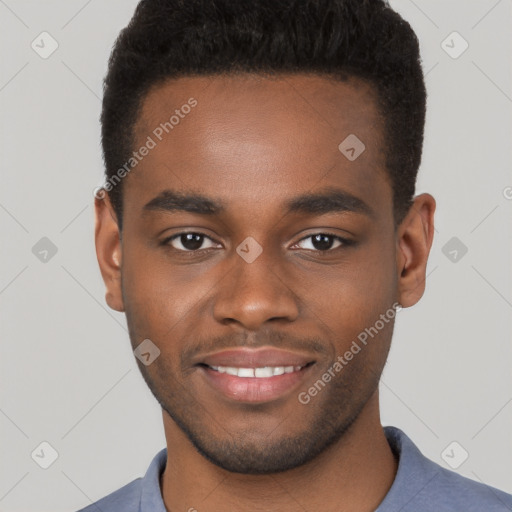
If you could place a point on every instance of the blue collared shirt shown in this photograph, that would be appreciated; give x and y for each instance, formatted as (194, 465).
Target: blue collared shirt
(420, 485)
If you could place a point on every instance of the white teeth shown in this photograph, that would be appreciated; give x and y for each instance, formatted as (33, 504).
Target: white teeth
(246, 372)
(265, 372)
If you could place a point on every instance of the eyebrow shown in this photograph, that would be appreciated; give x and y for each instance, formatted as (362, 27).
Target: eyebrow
(329, 200)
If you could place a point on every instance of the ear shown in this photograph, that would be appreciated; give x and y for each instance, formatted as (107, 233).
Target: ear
(414, 240)
(108, 249)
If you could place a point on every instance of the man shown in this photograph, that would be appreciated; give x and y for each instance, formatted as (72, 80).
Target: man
(259, 228)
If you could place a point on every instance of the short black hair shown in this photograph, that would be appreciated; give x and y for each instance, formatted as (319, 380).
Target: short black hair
(365, 39)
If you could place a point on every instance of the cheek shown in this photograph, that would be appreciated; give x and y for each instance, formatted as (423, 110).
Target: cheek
(162, 301)
(363, 286)
(146, 292)
(349, 300)
(374, 280)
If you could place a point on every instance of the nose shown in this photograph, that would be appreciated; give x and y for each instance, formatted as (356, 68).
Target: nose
(255, 293)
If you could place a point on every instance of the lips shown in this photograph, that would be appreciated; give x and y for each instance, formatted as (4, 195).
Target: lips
(248, 375)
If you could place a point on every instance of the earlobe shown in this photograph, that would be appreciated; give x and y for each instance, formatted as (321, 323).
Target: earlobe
(414, 241)
(109, 251)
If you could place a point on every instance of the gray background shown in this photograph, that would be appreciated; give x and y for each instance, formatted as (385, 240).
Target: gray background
(68, 375)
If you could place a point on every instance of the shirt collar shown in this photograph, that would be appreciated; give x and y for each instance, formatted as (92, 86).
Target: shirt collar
(151, 495)
(414, 472)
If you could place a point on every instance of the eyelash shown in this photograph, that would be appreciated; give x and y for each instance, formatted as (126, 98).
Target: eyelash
(344, 241)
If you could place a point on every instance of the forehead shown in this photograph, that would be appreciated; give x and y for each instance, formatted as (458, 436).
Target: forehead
(308, 106)
(251, 138)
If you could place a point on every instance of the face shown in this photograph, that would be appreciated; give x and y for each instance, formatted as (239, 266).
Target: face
(251, 240)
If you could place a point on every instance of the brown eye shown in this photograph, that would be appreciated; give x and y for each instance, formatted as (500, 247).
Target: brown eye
(324, 242)
(187, 242)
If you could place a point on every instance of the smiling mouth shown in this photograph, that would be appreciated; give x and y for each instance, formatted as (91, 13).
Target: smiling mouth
(258, 384)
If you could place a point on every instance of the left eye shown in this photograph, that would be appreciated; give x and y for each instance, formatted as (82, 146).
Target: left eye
(324, 241)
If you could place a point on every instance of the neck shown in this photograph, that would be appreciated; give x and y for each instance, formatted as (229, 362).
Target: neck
(355, 473)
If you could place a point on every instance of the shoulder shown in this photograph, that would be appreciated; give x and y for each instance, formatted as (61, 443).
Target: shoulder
(127, 499)
(453, 492)
(140, 494)
(421, 485)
